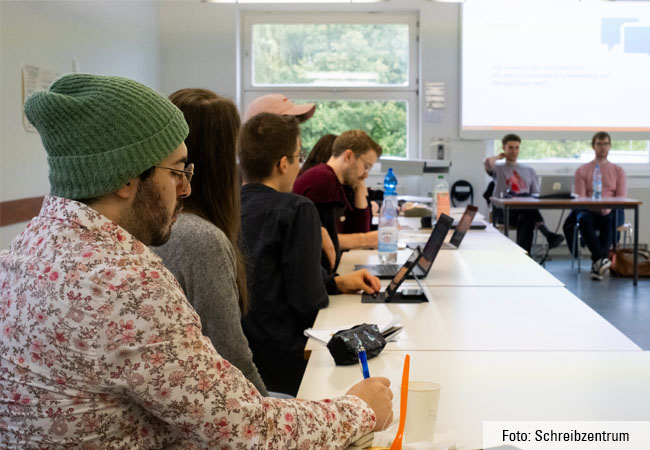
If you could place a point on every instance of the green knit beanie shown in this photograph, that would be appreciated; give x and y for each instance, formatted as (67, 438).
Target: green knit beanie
(99, 132)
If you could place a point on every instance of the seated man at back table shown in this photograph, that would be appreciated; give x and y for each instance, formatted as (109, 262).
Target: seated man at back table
(353, 155)
(282, 242)
(515, 179)
(614, 184)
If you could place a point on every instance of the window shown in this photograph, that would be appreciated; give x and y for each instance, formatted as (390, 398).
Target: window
(360, 70)
(567, 151)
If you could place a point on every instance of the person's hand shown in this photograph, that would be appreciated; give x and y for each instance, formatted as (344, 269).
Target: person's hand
(501, 155)
(354, 282)
(375, 391)
(360, 194)
(361, 187)
(328, 247)
(375, 208)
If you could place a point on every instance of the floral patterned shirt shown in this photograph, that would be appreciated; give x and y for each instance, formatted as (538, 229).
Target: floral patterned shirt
(101, 349)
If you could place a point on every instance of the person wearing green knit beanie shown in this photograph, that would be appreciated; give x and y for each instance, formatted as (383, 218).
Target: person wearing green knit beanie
(104, 136)
(100, 347)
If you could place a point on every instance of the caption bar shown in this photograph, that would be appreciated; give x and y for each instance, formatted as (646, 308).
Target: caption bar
(566, 435)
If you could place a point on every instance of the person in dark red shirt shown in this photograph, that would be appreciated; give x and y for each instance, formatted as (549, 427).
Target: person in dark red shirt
(346, 220)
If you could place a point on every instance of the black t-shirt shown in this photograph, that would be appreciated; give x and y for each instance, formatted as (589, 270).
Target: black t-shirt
(282, 242)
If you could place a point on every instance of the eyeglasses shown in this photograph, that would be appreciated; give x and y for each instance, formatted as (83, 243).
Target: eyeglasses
(366, 164)
(184, 175)
(301, 156)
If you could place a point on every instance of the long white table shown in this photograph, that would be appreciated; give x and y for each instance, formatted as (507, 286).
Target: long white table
(502, 335)
(492, 319)
(490, 239)
(480, 386)
(467, 267)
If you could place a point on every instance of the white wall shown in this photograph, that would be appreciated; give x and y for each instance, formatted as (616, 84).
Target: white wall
(199, 46)
(116, 38)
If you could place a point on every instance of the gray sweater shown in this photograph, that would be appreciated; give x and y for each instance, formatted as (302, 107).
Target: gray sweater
(203, 261)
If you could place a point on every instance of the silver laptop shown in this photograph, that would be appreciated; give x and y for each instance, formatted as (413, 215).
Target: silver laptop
(556, 186)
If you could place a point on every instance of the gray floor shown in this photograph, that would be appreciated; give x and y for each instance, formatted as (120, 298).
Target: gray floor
(624, 305)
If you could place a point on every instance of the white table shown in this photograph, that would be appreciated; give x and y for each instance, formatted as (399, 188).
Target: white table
(488, 239)
(491, 319)
(480, 386)
(467, 267)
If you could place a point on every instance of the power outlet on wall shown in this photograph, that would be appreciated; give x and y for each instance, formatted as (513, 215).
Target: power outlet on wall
(439, 148)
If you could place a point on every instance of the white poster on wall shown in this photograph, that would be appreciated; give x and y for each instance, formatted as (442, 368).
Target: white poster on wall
(35, 78)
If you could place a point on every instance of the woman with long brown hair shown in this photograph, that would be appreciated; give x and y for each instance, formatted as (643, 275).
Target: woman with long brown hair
(320, 153)
(204, 249)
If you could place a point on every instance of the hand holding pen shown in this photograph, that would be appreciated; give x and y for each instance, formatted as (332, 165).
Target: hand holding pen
(363, 361)
(375, 392)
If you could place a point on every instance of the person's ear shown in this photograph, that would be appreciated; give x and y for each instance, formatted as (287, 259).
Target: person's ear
(283, 164)
(129, 189)
(348, 154)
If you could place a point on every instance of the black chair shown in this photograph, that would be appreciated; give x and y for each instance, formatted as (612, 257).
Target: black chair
(462, 190)
(489, 190)
(577, 243)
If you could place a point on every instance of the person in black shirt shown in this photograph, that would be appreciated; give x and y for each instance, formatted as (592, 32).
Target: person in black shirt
(282, 242)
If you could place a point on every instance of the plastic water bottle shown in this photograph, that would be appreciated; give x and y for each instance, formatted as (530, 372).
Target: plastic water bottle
(388, 230)
(390, 183)
(441, 199)
(597, 184)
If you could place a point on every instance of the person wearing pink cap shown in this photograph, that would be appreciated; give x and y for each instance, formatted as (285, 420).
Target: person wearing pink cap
(279, 104)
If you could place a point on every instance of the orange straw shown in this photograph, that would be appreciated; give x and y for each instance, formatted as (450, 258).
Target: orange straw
(397, 442)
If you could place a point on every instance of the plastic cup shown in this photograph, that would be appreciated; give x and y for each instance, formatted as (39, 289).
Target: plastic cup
(421, 411)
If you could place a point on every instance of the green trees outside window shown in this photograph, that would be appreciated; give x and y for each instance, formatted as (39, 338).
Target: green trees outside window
(330, 54)
(384, 121)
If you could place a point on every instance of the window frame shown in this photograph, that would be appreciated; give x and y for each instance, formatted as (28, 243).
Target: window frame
(408, 93)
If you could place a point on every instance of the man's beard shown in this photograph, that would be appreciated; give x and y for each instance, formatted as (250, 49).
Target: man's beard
(149, 220)
(349, 177)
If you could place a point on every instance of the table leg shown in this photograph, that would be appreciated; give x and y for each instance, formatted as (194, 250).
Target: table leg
(636, 244)
(506, 219)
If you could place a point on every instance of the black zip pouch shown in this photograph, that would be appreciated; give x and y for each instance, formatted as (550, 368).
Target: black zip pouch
(344, 346)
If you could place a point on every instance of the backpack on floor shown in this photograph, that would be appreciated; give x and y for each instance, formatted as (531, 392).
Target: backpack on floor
(623, 263)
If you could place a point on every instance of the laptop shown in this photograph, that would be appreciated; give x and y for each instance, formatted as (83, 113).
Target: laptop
(476, 224)
(422, 268)
(390, 294)
(556, 186)
(461, 227)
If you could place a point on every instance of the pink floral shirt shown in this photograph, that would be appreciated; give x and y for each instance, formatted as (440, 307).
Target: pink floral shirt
(101, 349)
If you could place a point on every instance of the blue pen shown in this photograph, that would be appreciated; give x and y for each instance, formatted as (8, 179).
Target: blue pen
(363, 360)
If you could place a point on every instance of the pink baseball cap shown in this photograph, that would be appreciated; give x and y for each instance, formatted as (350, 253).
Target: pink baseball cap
(279, 104)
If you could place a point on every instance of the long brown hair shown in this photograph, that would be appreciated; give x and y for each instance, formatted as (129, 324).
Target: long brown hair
(320, 153)
(214, 124)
